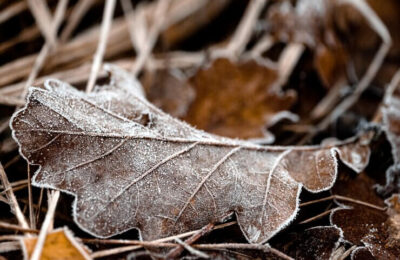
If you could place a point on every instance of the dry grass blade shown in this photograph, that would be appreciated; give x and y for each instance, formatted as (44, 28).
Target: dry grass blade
(9, 246)
(393, 85)
(244, 31)
(48, 46)
(12, 10)
(32, 219)
(174, 253)
(288, 60)
(80, 9)
(339, 197)
(25, 35)
(323, 214)
(42, 15)
(380, 28)
(12, 199)
(191, 250)
(17, 228)
(98, 57)
(265, 248)
(262, 45)
(46, 226)
(136, 244)
(160, 15)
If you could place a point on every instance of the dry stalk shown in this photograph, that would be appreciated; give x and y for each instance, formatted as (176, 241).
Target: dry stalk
(99, 55)
(12, 199)
(46, 226)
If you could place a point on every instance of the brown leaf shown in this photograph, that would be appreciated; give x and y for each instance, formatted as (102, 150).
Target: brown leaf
(59, 244)
(357, 221)
(169, 91)
(237, 100)
(387, 245)
(132, 166)
(376, 230)
(313, 243)
(362, 253)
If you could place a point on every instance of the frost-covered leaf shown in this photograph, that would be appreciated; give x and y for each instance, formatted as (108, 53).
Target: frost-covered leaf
(361, 253)
(132, 166)
(59, 244)
(377, 230)
(313, 243)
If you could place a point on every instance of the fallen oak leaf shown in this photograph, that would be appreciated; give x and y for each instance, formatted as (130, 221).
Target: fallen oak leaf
(169, 90)
(132, 166)
(386, 245)
(356, 221)
(238, 100)
(314, 243)
(377, 231)
(59, 244)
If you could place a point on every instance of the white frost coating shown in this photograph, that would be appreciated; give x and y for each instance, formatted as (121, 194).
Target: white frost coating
(342, 207)
(355, 251)
(155, 171)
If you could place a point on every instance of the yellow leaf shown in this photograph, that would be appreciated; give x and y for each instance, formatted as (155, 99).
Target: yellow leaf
(59, 244)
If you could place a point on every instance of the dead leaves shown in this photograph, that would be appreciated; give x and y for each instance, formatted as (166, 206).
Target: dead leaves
(59, 244)
(376, 230)
(156, 173)
(237, 100)
(313, 243)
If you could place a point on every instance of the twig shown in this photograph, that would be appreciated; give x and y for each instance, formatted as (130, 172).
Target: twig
(42, 15)
(242, 35)
(190, 249)
(265, 248)
(14, 184)
(329, 101)
(339, 197)
(12, 10)
(136, 244)
(379, 27)
(98, 57)
(317, 216)
(393, 85)
(10, 246)
(13, 201)
(16, 227)
(3, 199)
(48, 46)
(136, 24)
(387, 98)
(46, 225)
(347, 252)
(12, 161)
(264, 44)
(11, 237)
(4, 125)
(288, 60)
(79, 10)
(159, 18)
(31, 213)
(39, 204)
(27, 34)
(174, 253)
